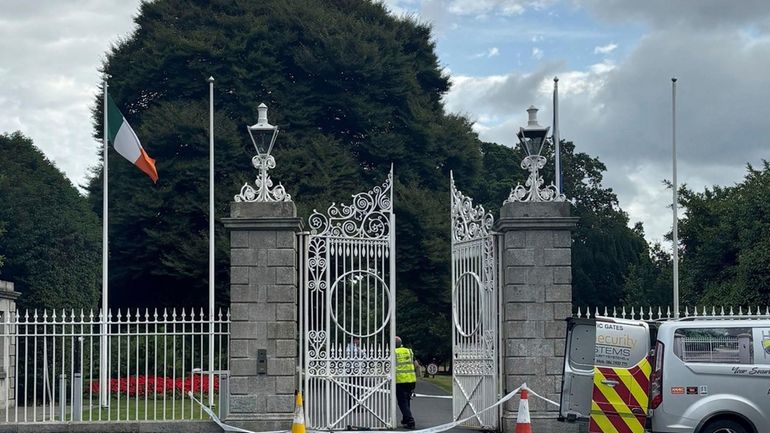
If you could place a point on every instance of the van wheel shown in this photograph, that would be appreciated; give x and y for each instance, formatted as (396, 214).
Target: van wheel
(724, 426)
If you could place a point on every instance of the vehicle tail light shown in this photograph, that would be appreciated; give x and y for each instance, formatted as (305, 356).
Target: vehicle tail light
(656, 380)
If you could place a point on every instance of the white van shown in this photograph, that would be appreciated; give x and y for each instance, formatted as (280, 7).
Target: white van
(695, 375)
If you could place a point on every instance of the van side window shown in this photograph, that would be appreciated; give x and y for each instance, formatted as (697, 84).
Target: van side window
(714, 345)
(761, 345)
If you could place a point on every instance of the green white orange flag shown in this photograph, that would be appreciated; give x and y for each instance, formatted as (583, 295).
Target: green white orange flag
(126, 142)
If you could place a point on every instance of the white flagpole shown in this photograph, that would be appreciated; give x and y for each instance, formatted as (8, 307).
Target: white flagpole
(103, 367)
(675, 249)
(211, 241)
(556, 138)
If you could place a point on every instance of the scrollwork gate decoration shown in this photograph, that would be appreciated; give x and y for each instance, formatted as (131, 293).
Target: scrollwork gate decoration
(474, 312)
(348, 307)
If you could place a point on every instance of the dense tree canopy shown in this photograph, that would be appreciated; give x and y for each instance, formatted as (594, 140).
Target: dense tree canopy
(354, 90)
(725, 243)
(52, 245)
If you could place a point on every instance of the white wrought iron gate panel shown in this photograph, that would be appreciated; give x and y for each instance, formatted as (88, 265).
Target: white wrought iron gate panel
(474, 313)
(348, 313)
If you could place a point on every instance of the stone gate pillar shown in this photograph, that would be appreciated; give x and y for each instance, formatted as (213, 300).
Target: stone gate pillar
(263, 303)
(537, 297)
(8, 297)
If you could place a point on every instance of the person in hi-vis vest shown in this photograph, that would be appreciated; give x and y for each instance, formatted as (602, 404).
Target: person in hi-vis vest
(405, 380)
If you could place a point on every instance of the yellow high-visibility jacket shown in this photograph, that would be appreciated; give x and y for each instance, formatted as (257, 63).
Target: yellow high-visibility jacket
(405, 366)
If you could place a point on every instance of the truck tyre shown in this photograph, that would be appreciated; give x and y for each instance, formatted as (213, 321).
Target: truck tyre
(724, 426)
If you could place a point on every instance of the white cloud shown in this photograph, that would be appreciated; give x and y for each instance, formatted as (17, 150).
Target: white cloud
(503, 7)
(701, 15)
(492, 52)
(49, 85)
(606, 49)
(621, 112)
(537, 53)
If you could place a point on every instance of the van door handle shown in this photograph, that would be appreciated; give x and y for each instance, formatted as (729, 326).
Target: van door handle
(611, 383)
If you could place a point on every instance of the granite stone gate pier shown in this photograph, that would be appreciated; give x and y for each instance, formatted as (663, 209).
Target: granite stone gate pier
(263, 302)
(536, 281)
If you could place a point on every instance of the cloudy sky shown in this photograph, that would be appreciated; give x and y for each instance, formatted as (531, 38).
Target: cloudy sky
(614, 59)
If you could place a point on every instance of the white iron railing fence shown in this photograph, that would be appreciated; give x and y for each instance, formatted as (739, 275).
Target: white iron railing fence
(51, 365)
(664, 313)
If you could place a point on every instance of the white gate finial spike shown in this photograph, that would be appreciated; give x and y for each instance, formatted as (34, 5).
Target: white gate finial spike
(633, 313)
(686, 311)
(578, 312)
(713, 310)
(624, 312)
(749, 312)
(731, 311)
(588, 312)
(614, 312)
(605, 310)
(596, 311)
(740, 310)
(660, 313)
(668, 312)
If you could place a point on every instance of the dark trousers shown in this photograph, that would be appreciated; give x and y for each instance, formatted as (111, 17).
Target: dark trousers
(404, 396)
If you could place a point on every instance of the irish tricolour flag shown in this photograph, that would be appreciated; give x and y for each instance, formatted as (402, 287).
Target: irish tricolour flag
(125, 141)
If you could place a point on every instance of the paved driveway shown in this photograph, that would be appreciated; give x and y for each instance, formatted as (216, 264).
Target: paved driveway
(429, 412)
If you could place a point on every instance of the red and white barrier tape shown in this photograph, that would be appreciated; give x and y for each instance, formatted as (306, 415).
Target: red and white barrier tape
(435, 429)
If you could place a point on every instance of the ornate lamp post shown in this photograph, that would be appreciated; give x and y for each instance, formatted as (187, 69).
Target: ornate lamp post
(533, 138)
(263, 161)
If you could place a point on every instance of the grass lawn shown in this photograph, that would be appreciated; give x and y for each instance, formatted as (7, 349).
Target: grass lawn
(442, 381)
(149, 409)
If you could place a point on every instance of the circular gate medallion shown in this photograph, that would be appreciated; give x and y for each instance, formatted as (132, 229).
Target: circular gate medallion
(360, 303)
(467, 304)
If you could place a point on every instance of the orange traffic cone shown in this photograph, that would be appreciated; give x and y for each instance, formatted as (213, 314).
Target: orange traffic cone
(522, 418)
(298, 426)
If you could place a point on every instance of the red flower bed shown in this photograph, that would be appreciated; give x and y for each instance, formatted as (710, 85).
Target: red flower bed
(157, 385)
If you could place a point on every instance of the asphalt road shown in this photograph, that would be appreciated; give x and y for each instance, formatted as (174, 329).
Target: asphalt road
(430, 412)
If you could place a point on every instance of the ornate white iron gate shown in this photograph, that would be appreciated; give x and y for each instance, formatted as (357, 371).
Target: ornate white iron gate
(348, 308)
(474, 313)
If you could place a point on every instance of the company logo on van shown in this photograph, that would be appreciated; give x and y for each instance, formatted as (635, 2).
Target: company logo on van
(766, 343)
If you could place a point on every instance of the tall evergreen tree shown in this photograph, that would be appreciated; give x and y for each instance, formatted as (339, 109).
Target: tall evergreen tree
(353, 89)
(52, 245)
